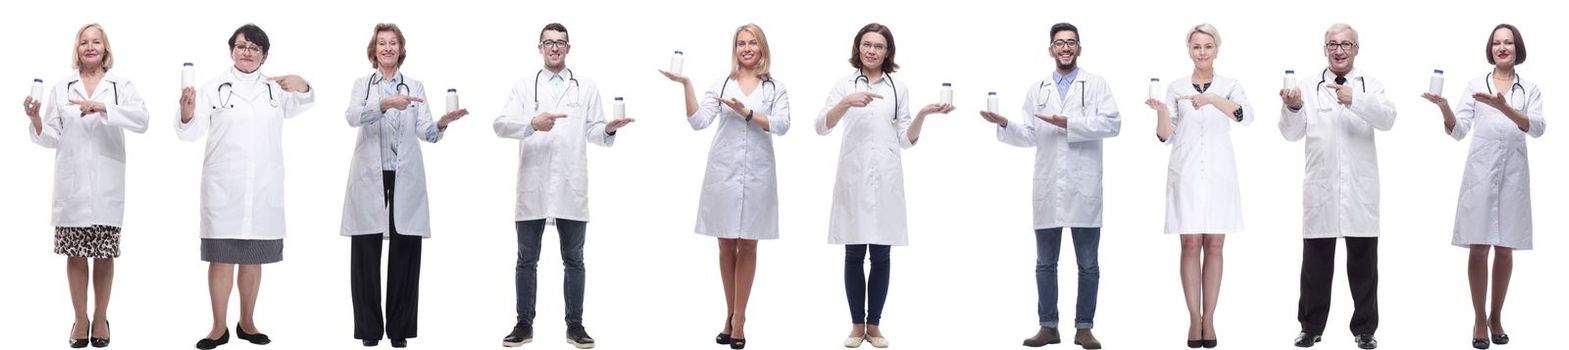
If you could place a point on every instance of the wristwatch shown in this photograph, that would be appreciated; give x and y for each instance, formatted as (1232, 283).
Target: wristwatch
(749, 115)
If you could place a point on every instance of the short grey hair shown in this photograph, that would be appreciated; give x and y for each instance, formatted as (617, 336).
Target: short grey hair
(1342, 27)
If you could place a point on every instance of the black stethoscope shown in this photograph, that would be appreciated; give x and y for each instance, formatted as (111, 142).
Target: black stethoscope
(766, 82)
(1041, 90)
(1324, 78)
(1511, 88)
(227, 91)
(403, 88)
(862, 77)
(113, 85)
(572, 77)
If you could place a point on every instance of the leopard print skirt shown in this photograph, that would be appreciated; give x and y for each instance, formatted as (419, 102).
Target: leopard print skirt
(98, 241)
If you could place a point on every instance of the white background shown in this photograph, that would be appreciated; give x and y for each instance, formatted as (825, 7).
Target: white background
(965, 282)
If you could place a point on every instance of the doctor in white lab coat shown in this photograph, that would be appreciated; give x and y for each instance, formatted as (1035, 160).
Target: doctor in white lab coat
(868, 213)
(85, 120)
(1494, 212)
(554, 114)
(1203, 201)
(1337, 112)
(1065, 118)
(739, 204)
(241, 113)
(386, 197)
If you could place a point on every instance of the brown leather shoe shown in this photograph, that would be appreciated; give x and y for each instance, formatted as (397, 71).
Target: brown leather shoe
(1043, 337)
(1085, 339)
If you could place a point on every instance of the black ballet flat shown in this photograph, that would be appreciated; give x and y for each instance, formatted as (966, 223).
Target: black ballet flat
(722, 338)
(737, 343)
(257, 338)
(1195, 344)
(209, 344)
(79, 343)
(104, 342)
(1501, 339)
(1210, 343)
(1480, 343)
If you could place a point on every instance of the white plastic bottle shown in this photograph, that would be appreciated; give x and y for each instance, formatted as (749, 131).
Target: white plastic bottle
(188, 75)
(947, 93)
(675, 62)
(1436, 85)
(1290, 81)
(991, 102)
(38, 91)
(452, 100)
(1155, 88)
(620, 108)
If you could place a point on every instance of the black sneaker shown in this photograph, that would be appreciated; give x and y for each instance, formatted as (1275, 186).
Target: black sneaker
(522, 333)
(1366, 341)
(577, 336)
(1305, 340)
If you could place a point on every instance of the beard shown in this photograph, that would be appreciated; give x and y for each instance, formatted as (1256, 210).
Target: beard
(1072, 63)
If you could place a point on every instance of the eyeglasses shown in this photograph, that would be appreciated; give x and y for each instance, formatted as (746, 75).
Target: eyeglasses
(868, 46)
(1343, 46)
(1065, 43)
(554, 44)
(247, 48)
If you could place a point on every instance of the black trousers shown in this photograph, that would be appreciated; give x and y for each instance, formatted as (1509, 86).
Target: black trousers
(402, 281)
(1318, 275)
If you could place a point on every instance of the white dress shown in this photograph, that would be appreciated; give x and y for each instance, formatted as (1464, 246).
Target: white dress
(1201, 179)
(740, 196)
(1495, 193)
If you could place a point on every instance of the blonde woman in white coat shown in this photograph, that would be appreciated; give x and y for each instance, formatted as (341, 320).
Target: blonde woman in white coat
(386, 197)
(85, 121)
(1203, 202)
(740, 198)
(241, 114)
(868, 212)
(1494, 212)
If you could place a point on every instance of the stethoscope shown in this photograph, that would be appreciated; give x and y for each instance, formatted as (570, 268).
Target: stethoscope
(227, 91)
(1323, 78)
(862, 77)
(402, 89)
(113, 85)
(570, 77)
(1511, 88)
(1041, 91)
(766, 82)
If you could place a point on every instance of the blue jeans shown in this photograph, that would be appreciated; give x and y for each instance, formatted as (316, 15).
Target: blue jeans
(1086, 247)
(530, 234)
(866, 295)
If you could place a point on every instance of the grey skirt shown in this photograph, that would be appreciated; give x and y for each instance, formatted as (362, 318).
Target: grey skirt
(242, 251)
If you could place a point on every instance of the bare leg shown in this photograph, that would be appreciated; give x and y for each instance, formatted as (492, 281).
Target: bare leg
(1503, 267)
(76, 277)
(103, 282)
(250, 285)
(1189, 271)
(1476, 270)
(745, 272)
(220, 282)
(1214, 265)
(727, 256)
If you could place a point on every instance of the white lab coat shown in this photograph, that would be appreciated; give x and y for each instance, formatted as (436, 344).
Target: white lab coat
(1202, 195)
(364, 206)
(740, 196)
(1067, 178)
(89, 162)
(868, 201)
(242, 174)
(1495, 193)
(1340, 196)
(553, 165)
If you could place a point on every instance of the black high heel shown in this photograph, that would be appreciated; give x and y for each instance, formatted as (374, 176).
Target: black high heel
(1195, 344)
(722, 338)
(209, 344)
(1210, 343)
(256, 338)
(1479, 343)
(100, 342)
(1501, 339)
(737, 343)
(78, 343)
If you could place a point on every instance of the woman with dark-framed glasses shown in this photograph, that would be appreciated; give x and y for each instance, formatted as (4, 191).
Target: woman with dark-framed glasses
(241, 113)
(868, 212)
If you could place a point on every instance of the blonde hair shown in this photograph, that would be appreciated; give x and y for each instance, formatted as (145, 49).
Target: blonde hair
(76, 58)
(762, 43)
(1206, 29)
(403, 48)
